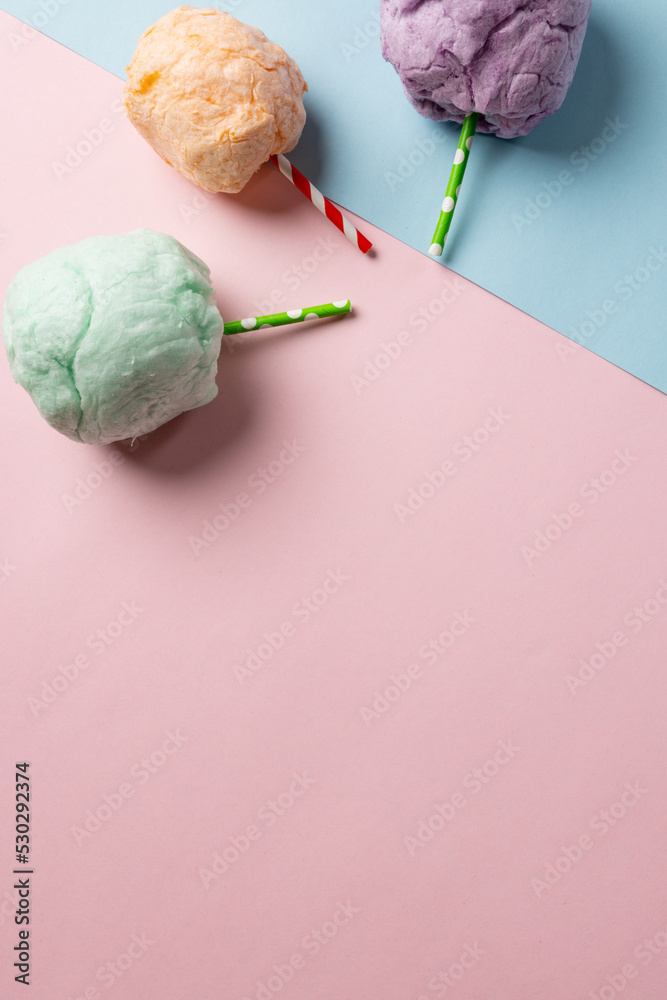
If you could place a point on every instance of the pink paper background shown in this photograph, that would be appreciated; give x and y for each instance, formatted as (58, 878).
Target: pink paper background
(71, 562)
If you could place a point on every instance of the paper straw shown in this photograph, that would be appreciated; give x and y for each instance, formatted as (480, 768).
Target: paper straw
(454, 186)
(291, 316)
(326, 207)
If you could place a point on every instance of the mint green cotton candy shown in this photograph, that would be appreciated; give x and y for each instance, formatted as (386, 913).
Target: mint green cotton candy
(115, 335)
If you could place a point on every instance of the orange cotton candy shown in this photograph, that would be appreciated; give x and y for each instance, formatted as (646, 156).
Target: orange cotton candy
(214, 97)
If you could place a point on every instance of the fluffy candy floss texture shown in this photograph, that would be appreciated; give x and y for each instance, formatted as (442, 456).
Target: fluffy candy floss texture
(214, 97)
(115, 335)
(511, 60)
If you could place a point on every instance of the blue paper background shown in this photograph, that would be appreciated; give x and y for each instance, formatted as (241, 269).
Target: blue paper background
(578, 265)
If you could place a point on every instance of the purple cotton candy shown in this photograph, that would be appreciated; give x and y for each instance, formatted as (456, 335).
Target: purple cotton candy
(511, 60)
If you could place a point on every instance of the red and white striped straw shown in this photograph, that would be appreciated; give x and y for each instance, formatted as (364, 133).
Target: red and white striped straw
(326, 207)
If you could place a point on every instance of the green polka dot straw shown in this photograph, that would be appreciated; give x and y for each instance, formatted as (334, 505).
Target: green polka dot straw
(455, 180)
(291, 316)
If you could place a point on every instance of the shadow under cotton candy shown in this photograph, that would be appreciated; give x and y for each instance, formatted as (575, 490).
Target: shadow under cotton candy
(202, 436)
